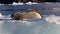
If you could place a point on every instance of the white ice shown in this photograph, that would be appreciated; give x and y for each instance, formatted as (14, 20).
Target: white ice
(19, 3)
(53, 19)
(30, 3)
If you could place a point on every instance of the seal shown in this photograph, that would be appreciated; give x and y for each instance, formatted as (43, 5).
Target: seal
(28, 15)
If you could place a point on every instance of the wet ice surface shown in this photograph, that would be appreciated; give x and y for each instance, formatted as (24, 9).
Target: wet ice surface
(49, 24)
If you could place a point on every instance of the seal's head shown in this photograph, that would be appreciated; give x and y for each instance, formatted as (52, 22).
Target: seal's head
(16, 16)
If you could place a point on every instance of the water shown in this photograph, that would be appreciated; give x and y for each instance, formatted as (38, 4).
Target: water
(50, 24)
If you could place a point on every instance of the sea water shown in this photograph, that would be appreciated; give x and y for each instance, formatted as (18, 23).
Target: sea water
(49, 24)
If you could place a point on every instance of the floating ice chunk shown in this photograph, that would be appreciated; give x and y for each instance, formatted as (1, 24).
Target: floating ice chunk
(29, 3)
(53, 19)
(19, 3)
